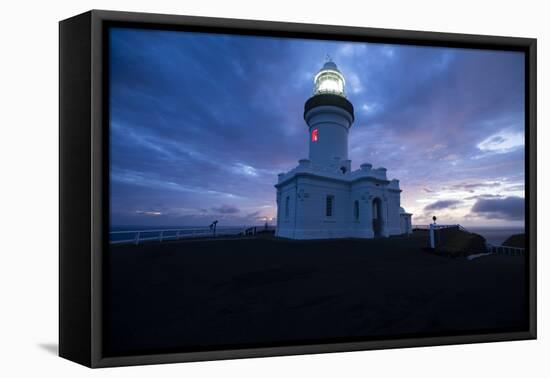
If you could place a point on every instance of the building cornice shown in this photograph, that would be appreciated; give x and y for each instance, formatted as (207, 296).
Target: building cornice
(347, 180)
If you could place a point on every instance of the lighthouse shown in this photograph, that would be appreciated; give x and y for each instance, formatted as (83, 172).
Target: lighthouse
(322, 198)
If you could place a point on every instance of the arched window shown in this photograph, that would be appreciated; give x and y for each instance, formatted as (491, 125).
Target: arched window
(287, 205)
(356, 210)
(329, 206)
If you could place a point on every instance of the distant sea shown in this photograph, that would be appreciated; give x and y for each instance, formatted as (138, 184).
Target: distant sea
(495, 235)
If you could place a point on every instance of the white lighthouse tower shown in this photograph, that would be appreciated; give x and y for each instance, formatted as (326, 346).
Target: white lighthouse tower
(322, 197)
(329, 116)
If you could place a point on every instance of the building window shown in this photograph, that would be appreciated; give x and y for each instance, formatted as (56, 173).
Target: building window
(315, 135)
(287, 205)
(356, 210)
(329, 206)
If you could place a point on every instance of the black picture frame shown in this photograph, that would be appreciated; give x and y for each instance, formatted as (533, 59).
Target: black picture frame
(83, 179)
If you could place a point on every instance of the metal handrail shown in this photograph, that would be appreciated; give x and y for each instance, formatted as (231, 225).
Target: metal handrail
(159, 230)
(437, 226)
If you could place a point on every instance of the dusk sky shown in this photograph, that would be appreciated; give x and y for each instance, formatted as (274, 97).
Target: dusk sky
(201, 124)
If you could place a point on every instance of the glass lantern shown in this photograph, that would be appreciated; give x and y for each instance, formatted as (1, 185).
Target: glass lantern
(329, 80)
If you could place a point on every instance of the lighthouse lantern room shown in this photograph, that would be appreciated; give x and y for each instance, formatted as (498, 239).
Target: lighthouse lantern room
(329, 80)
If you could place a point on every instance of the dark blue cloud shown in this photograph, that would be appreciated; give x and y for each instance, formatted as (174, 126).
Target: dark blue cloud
(510, 208)
(199, 121)
(226, 209)
(442, 204)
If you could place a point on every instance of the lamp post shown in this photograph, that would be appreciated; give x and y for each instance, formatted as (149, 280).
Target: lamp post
(432, 233)
(213, 227)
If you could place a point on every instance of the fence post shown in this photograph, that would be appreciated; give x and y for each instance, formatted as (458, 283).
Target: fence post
(432, 236)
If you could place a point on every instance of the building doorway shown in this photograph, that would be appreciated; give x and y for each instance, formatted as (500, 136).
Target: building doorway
(377, 219)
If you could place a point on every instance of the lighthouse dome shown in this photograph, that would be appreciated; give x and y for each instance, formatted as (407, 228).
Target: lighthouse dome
(329, 80)
(330, 65)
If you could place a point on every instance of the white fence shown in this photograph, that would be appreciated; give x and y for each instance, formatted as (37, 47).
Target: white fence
(437, 226)
(139, 236)
(496, 249)
(505, 250)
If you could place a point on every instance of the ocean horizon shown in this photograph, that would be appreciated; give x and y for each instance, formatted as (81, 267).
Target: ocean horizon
(496, 235)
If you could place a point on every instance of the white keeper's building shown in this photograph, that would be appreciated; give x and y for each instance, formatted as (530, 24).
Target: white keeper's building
(322, 198)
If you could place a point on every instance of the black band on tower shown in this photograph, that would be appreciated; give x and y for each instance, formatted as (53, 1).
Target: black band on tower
(331, 100)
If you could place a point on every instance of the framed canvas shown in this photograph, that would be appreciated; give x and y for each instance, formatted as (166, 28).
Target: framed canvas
(234, 188)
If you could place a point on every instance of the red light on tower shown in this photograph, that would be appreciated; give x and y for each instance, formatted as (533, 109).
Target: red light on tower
(314, 135)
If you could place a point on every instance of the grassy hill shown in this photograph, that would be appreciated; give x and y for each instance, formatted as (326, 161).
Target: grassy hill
(517, 241)
(204, 294)
(455, 241)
